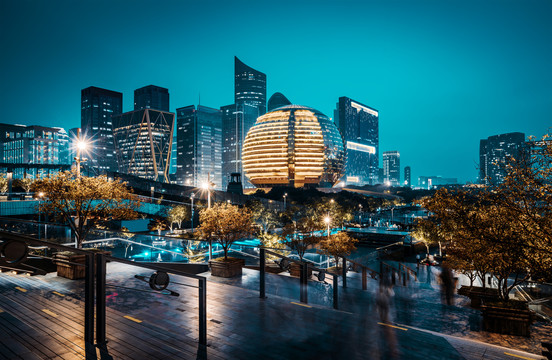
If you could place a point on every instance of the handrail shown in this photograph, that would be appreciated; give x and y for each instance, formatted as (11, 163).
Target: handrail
(389, 245)
(299, 262)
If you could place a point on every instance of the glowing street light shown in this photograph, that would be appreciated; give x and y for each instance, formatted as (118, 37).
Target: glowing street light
(81, 146)
(40, 196)
(328, 220)
(192, 198)
(206, 186)
(285, 195)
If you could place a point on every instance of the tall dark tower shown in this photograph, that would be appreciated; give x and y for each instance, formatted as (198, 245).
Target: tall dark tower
(249, 86)
(97, 107)
(151, 97)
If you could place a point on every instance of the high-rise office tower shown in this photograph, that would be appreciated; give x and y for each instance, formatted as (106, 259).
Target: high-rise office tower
(359, 126)
(199, 146)
(97, 107)
(407, 176)
(495, 152)
(151, 97)
(431, 182)
(143, 141)
(277, 100)
(392, 168)
(236, 122)
(249, 86)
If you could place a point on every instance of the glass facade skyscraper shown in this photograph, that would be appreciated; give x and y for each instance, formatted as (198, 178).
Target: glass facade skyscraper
(359, 126)
(407, 176)
(199, 146)
(392, 168)
(236, 122)
(97, 107)
(277, 100)
(151, 97)
(249, 86)
(143, 141)
(495, 152)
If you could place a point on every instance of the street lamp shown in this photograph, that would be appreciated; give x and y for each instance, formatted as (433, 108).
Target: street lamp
(360, 214)
(327, 220)
(285, 195)
(206, 186)
(9, 176)
(40, 195)
(192, 198)
(81, 146)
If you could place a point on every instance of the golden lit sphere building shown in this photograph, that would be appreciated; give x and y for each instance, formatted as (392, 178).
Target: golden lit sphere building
(293, 145)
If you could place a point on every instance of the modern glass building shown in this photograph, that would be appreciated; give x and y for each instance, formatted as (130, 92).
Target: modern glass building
(277, 100)
(34, 145)
(359, 126)
(495, 152)
(143, 141)
(199, 146)
(249, 86)
(293, 145)
(97, 107)
(236, 122)
(407, 176)
(392, 168)
(151, 97)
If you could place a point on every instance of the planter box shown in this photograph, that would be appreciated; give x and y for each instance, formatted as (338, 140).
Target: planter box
(227, 269)
(70, 271)
(295, 270)
(477, 294)
(510, 318)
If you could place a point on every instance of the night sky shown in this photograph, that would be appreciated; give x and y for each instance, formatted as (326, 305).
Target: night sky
(443, 74)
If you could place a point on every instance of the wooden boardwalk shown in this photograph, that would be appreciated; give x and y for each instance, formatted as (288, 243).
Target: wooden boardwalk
(41, 317)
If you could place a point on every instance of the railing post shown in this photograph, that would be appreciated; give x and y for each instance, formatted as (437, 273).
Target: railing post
(344, 272)
(303, 283)
(89, 299)
(335, 292)
(262, 262)
(364, 279)
(393, 276)
(100, 299)
(203, 311)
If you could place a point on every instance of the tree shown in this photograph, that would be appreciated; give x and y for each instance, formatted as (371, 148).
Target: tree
(300, 235)
(264, 217)
(338, 245)
(25, 183)
(85, 201)
(178, 214)
(3, 184)
(158, 224)
(226, 224)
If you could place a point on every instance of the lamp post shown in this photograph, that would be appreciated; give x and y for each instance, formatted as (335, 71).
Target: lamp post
(328, 220)
(9, 175)
(40, 195)
(207, 187)
(285, 195)
(192, 198)
(81, 146)
(360, 214)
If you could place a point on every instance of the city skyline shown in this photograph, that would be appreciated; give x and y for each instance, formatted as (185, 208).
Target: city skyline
(443, 76)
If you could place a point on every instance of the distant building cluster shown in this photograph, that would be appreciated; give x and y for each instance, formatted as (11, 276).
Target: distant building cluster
(236, 145)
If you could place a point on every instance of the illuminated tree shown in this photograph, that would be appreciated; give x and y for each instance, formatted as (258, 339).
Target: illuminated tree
(264, 217)
(25, 183)
(226, 224)
(85, 201)
(338, 245)
(300, 235)
(178, 214)
(3, 184)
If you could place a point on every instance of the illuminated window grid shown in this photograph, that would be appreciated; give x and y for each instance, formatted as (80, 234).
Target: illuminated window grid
(309, 147)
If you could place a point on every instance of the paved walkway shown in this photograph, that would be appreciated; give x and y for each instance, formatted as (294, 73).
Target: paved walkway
(240, 325)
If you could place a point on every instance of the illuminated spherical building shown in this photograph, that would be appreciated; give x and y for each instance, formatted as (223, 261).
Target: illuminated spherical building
(293, 145)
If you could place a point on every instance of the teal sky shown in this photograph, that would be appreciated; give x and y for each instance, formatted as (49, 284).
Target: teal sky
(443, 74)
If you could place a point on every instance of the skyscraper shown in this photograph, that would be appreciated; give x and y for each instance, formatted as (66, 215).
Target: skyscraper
(236, 122)
(392, 168)
(407, 176)
(359, 126)
(151, 97)
(249, 86)
(495, 152)
(143, 141)
(277, 100)
(97, 107)
(199, 146)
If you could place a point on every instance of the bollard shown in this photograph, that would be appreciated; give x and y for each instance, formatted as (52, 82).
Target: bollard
(335, 292)
(100, 299)
(344, 272)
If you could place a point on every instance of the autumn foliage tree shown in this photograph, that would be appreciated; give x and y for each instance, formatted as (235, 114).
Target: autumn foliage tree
(178, 214)
(84, 202)
(226, 224)
(300, 234)
(338, 245)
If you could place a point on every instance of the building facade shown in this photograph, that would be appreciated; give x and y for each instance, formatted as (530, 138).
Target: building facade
(392, 168)
(199, 146)
(249, 86)
(143, 141)
(97, 108)
(277, 100)
(494, 154)
(407, 176)
(431, 182)
(359, 126)
(293, 146)
(237, 119)
(151, 97)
